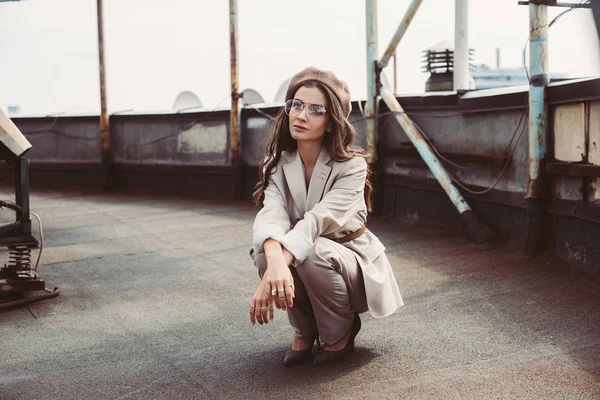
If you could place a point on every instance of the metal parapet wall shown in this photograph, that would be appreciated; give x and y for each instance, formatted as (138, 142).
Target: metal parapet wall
(188, 154)
(483, 138)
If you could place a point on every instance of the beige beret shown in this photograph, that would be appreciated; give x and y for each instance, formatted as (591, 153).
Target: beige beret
(328, 79)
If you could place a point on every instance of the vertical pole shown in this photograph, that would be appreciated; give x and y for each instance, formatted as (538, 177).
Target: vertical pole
(461, 46)
(498, 59)
(395, 76)
(236, 110)
(370, 109)
(104, 121)
(537, 191)
(22, 195)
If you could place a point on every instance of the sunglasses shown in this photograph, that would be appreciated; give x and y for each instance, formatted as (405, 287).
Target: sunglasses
(293, 108)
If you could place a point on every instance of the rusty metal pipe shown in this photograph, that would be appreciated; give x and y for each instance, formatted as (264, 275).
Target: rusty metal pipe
(395, 77)
(235, 117)
(476, 230)
(372, 81)
(406, 20)
(23, 302)
(425, 151)
(104, 120)
(537, 190)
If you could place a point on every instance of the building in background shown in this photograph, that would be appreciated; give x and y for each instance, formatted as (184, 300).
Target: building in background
(439, 62)
(13, 109)
(487, 78)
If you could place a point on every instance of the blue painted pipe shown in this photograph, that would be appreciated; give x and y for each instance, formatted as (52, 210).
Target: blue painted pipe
(538, 56)
(408, 17)
(477, 231)
(436, 168)
(537, 186)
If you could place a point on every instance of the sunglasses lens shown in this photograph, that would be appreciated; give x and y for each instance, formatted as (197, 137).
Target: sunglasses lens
(293, 107)
(316, 111)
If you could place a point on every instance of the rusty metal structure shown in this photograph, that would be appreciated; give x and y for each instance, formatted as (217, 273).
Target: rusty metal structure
(372, 80)
(477, 231)
(235, 120)
(406, 20)
(19, 280)
(538, 185)
(537, 190)
(217, 154)
(104, 118)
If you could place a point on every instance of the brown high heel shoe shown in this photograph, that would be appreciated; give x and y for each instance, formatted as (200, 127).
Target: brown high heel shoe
(323, 357)
(295, 357)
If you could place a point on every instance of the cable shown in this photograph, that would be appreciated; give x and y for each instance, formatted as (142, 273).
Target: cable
(264, 114)
(510, 145)
(55, 131)
(16, 207)
(523, 113)
(566, 11)
(41, 241)
(410, 113)
(362, 112)
(525, 61)
(61, 133)
(58, 133)
(10, 205)
(497, 178)
(179, 131)
(435, 150)
(160, 139)
(509, 150)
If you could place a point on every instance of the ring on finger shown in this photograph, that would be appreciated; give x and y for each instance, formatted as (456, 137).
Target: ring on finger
(273, 292)
(264, 309)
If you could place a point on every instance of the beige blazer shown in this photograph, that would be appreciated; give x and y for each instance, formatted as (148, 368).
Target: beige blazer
(333, 207)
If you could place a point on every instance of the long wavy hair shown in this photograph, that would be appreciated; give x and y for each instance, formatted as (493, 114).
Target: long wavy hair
(337, 142)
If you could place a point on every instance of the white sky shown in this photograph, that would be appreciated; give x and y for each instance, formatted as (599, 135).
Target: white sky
(155, 49)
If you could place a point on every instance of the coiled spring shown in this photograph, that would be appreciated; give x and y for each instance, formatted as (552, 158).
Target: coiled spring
(19, 260)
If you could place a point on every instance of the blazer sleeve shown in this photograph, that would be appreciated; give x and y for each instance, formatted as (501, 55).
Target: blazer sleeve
(272, 221)
(336, 208)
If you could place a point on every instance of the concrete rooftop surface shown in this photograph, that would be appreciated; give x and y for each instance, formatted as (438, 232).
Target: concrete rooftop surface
(154, 305)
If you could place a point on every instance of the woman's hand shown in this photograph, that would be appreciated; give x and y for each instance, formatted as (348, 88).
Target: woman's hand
(276, 286)
(261, 306)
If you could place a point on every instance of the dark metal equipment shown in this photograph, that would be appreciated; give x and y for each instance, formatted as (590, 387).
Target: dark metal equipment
(19, 281)
(19, 274)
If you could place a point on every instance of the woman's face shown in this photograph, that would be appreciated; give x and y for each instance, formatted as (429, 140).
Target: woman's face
(306, 125)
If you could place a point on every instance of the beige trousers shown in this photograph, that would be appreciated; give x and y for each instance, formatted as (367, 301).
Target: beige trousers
(329, 290)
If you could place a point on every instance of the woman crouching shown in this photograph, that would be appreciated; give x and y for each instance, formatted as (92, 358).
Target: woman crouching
(315, 257)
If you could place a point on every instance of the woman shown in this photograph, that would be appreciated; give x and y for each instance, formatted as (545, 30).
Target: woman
(315, 257)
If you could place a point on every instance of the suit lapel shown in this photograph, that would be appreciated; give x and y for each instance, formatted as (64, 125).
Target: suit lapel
(318, 180)
(294, 174)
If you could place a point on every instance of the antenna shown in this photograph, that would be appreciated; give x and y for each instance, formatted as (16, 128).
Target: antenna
(251, 96)
(280, 96)
(186, 100)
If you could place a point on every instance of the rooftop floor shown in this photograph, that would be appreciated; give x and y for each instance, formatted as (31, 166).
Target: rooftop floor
(154, 304)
